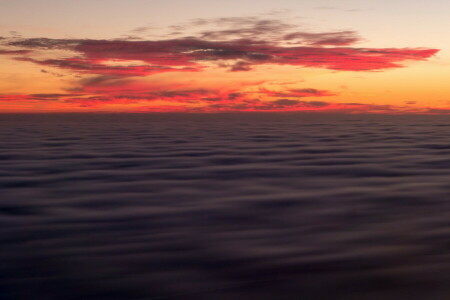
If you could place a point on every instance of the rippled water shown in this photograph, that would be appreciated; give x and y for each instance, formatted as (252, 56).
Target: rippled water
(244, 206)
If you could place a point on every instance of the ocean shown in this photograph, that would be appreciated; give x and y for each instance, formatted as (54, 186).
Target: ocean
(263, 206)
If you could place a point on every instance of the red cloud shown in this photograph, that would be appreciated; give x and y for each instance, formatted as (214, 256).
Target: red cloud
(176, 96)
(348, 59)
(93, 67)
(248, 41)
(192, 52)
(200, 100)
(245, 43)
(188, 55)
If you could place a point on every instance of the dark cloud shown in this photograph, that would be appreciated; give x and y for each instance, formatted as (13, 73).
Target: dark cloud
(142, 29)
(259, 105)
(298, 93)
(286, 102)
(15, 34)
(241, 66)
(233, 96)
(444, 111)
(244, 28)
(14, 52)
(37, 97)
(101, 84)
(281, 103)
(286, 105)
(51, 96)
(46, 43)
(123, 97)
(91, 67)
(52, 73)
(340, 38)
(180, 93)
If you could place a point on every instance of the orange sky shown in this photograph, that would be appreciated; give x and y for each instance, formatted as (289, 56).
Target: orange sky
(268, 62)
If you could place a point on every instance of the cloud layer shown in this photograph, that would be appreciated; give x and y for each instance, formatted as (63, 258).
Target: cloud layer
(193, 52)
(238, 45)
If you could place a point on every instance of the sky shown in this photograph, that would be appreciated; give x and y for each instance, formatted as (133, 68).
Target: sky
(351, 56)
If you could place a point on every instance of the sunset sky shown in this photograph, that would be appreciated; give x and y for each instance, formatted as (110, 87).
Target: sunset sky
(353, 56)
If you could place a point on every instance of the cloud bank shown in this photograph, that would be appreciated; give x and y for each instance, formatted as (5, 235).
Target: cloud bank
(238, 45)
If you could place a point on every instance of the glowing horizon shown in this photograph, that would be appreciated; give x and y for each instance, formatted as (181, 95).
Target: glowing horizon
(220, 64)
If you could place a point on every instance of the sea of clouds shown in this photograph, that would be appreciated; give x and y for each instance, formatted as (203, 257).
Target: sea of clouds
(224, 206)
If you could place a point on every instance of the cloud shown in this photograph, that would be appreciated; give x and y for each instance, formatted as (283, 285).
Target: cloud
(111, 71)
(241, 66)
(298, 93)
(244, 28)
(288, 102)
(340, 38)
(14, 52)
(91, 67)
(440, 111)
(142, 29)
(45, 43)
(289, 105)
(36, 97)
(50, 97)
(14, 97)
(175, 96)
(207, 100)
(189, 54)
(246, 42)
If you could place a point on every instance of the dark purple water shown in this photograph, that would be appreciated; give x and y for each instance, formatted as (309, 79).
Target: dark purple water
(227, 207)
